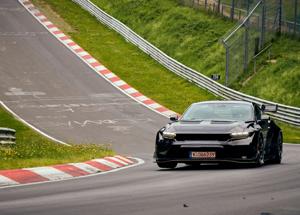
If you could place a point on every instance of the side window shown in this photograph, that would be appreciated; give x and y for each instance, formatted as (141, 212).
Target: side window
(257, 112)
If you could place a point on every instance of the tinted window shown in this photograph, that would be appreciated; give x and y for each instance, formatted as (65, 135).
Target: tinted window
(219, 111)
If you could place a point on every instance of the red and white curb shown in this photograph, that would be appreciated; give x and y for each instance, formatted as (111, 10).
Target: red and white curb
(65, 171)
(95, 64)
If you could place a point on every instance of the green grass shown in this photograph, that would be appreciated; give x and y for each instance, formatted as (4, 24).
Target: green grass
(130, 63)
(279, 79)
(192, 37)
(188, 35)
(32, 149)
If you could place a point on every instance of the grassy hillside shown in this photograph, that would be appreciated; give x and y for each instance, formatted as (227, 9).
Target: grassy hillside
(279, 78)
(191, 36)
(129, 62)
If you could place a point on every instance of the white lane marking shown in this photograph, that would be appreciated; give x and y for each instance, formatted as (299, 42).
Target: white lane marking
(53, 29)
(31, 126)
(60, 35)
(86, 167)
(42, 17)
(110, 75)
(75, 47)
(130, 90)
(124, 158)
(169, 113)
(83, 53)
(100, 68)
(118, 160)
(47, 23)
(139, 162)
(155, 105)
(107, 163)
(142, 98)
(68, 41)
(19, 92)
(91, 60)
(119, 83)
(50, 172)
(6, 181)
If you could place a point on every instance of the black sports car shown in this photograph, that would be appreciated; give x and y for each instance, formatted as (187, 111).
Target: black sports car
(220, 131)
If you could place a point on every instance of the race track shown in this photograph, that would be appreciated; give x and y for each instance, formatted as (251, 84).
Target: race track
(48, 86)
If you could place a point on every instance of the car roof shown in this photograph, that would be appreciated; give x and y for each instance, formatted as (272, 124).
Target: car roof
(224, 102)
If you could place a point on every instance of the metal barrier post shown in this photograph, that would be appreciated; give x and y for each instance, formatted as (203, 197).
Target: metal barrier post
(295, 18)
(280, 17)
(227, 66)
(263, 25)
(232, 10)
(246, 43)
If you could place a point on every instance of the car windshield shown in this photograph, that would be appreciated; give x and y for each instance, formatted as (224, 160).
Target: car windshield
(219, 112)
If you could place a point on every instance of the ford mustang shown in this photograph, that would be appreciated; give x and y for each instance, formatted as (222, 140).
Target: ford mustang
(220, 131)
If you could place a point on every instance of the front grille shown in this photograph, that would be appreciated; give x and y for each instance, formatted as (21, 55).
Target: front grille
(219, 137)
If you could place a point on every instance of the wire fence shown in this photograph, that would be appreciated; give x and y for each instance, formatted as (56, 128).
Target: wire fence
(259, 21)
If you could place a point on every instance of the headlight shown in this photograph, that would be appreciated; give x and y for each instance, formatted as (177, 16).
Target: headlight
(169, 135)
(239, 135)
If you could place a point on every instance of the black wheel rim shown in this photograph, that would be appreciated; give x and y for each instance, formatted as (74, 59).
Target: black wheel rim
(260, 152)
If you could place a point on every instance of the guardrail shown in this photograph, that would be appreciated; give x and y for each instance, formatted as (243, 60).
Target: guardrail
(7, 136)
(285, 113)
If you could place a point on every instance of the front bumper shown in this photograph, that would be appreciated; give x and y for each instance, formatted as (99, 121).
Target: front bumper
(239, 151)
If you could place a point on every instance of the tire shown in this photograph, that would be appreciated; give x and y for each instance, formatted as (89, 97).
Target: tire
(168, 165)
(278, 150)
(260, 158)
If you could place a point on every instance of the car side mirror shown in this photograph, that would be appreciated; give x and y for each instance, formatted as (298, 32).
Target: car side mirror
(269, 108)
(174, 118)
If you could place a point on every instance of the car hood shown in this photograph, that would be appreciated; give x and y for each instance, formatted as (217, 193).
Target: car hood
(207, 126)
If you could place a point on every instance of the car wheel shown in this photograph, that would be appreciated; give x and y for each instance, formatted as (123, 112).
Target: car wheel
(278, 150)
(169, 165)
(260, 157)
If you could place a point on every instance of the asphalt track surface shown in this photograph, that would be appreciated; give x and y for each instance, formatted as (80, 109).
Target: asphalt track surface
(48, 86)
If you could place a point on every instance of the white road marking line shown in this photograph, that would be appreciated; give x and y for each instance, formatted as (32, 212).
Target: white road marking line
(124, 158)
(53, 29)
(110, 75)
(91, 60)
(142, 98)
(75, 47)
(169, 113)
(47, 23)
(118, 160)
(100, 68)
(119, 83)
(131, 90)
(107, 163)
(83, 53)
(50, 172)
(86, 167)
(6, 181)
(155, 105)
(60, 35)
(68, 41)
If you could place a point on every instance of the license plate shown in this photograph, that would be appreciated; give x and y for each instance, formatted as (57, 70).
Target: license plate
(207, 155)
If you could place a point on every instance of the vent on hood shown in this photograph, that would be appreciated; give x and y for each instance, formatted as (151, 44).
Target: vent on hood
(221, 122)
(219, 137)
